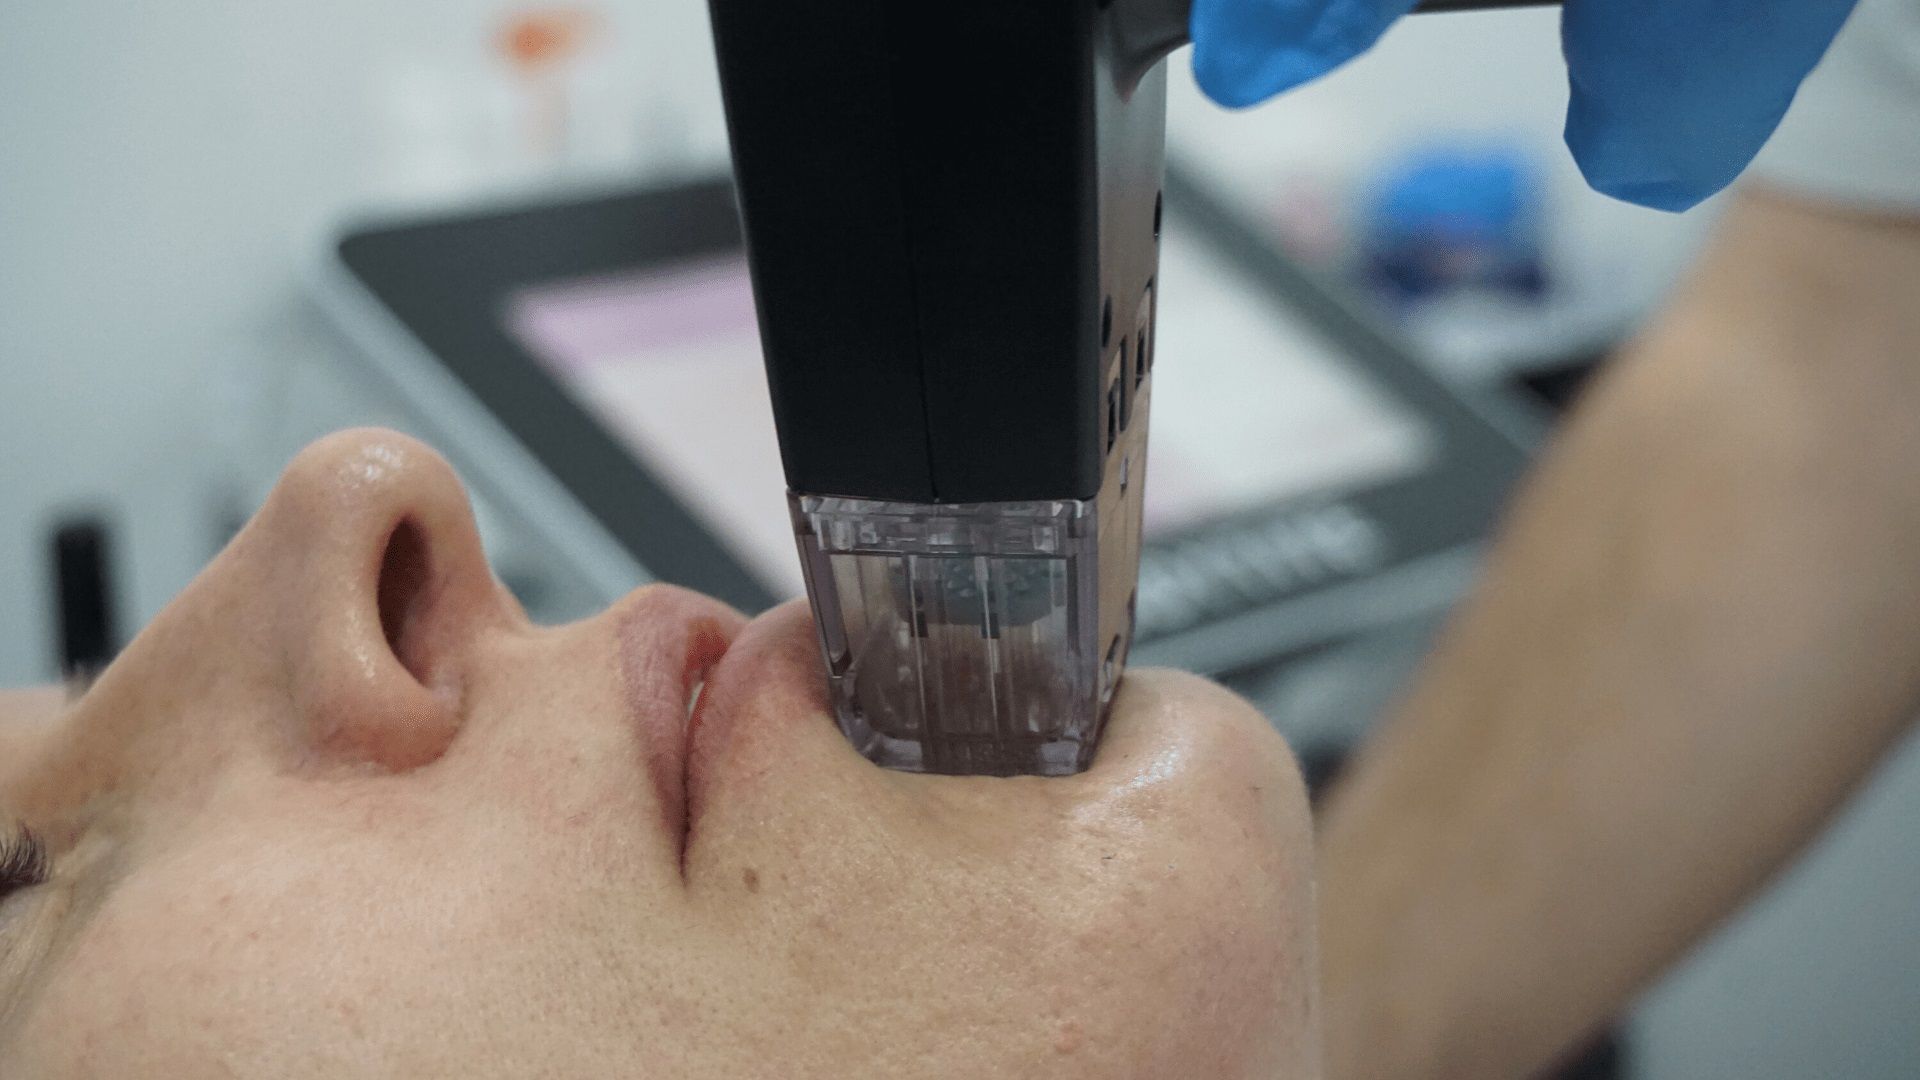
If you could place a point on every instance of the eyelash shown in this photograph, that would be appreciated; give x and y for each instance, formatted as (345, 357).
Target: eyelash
(24, 862)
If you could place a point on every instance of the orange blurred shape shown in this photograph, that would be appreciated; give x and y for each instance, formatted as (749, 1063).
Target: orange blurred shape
(544, 38)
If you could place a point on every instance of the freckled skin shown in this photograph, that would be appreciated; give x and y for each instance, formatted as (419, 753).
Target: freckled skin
(294, 840)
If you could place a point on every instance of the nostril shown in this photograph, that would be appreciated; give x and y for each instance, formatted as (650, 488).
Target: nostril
(406, 580)
(391, 598)
(400, 709)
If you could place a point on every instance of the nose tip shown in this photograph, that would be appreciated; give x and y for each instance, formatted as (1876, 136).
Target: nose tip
(368, 469)
(371, 544)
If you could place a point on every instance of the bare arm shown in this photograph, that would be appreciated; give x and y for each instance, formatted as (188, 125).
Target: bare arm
(1700, 630)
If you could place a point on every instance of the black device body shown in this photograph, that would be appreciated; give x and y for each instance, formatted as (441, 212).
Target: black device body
(944, 208)
(951, 214)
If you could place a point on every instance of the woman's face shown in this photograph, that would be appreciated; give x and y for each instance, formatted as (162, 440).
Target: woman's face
(342, 811)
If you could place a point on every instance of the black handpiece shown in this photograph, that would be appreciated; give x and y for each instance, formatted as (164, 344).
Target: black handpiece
(953, 216)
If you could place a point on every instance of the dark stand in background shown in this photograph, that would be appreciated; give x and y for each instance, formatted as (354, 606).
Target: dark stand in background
(1558, 386)
(89, 635)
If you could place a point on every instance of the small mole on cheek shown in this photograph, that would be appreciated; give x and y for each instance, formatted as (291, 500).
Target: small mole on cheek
(751, 879)
(1068, 1037)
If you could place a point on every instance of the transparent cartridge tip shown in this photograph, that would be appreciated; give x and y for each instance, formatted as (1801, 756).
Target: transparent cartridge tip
(965, 638)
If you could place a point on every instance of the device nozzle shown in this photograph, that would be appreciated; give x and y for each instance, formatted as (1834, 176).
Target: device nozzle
(960, 638)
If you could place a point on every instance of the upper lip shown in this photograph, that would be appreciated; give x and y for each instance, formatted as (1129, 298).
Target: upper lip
(669, 640)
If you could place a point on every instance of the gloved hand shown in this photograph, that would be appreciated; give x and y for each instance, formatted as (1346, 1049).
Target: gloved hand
(1670, 98)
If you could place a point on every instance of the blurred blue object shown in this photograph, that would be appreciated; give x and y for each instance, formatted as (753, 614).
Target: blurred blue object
(1670, 99)
(1446, 218)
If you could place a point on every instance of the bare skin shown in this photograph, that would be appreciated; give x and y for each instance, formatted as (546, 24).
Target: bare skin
(341, 811)
(1697, 635)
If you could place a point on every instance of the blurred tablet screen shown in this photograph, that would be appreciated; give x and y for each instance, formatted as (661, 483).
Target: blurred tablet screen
(1249, 408)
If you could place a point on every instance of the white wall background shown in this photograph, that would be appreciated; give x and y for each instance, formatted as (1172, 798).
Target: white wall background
(164, 171)
(166, 168)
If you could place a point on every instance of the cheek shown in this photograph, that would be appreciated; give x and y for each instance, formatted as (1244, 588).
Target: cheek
(256, 971)
(1124, 946)
(266, 950)
(1195, 960)
(1197, 930)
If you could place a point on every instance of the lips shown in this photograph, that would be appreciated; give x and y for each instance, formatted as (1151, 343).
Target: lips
(719, 702)
(669, 639)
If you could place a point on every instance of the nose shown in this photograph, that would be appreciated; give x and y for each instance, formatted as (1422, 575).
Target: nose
(369, 542)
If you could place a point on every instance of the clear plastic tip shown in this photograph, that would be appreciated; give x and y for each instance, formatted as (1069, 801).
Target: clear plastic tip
(962, 638)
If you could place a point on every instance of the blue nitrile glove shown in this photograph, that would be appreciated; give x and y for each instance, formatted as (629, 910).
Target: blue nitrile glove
(1670, 98)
